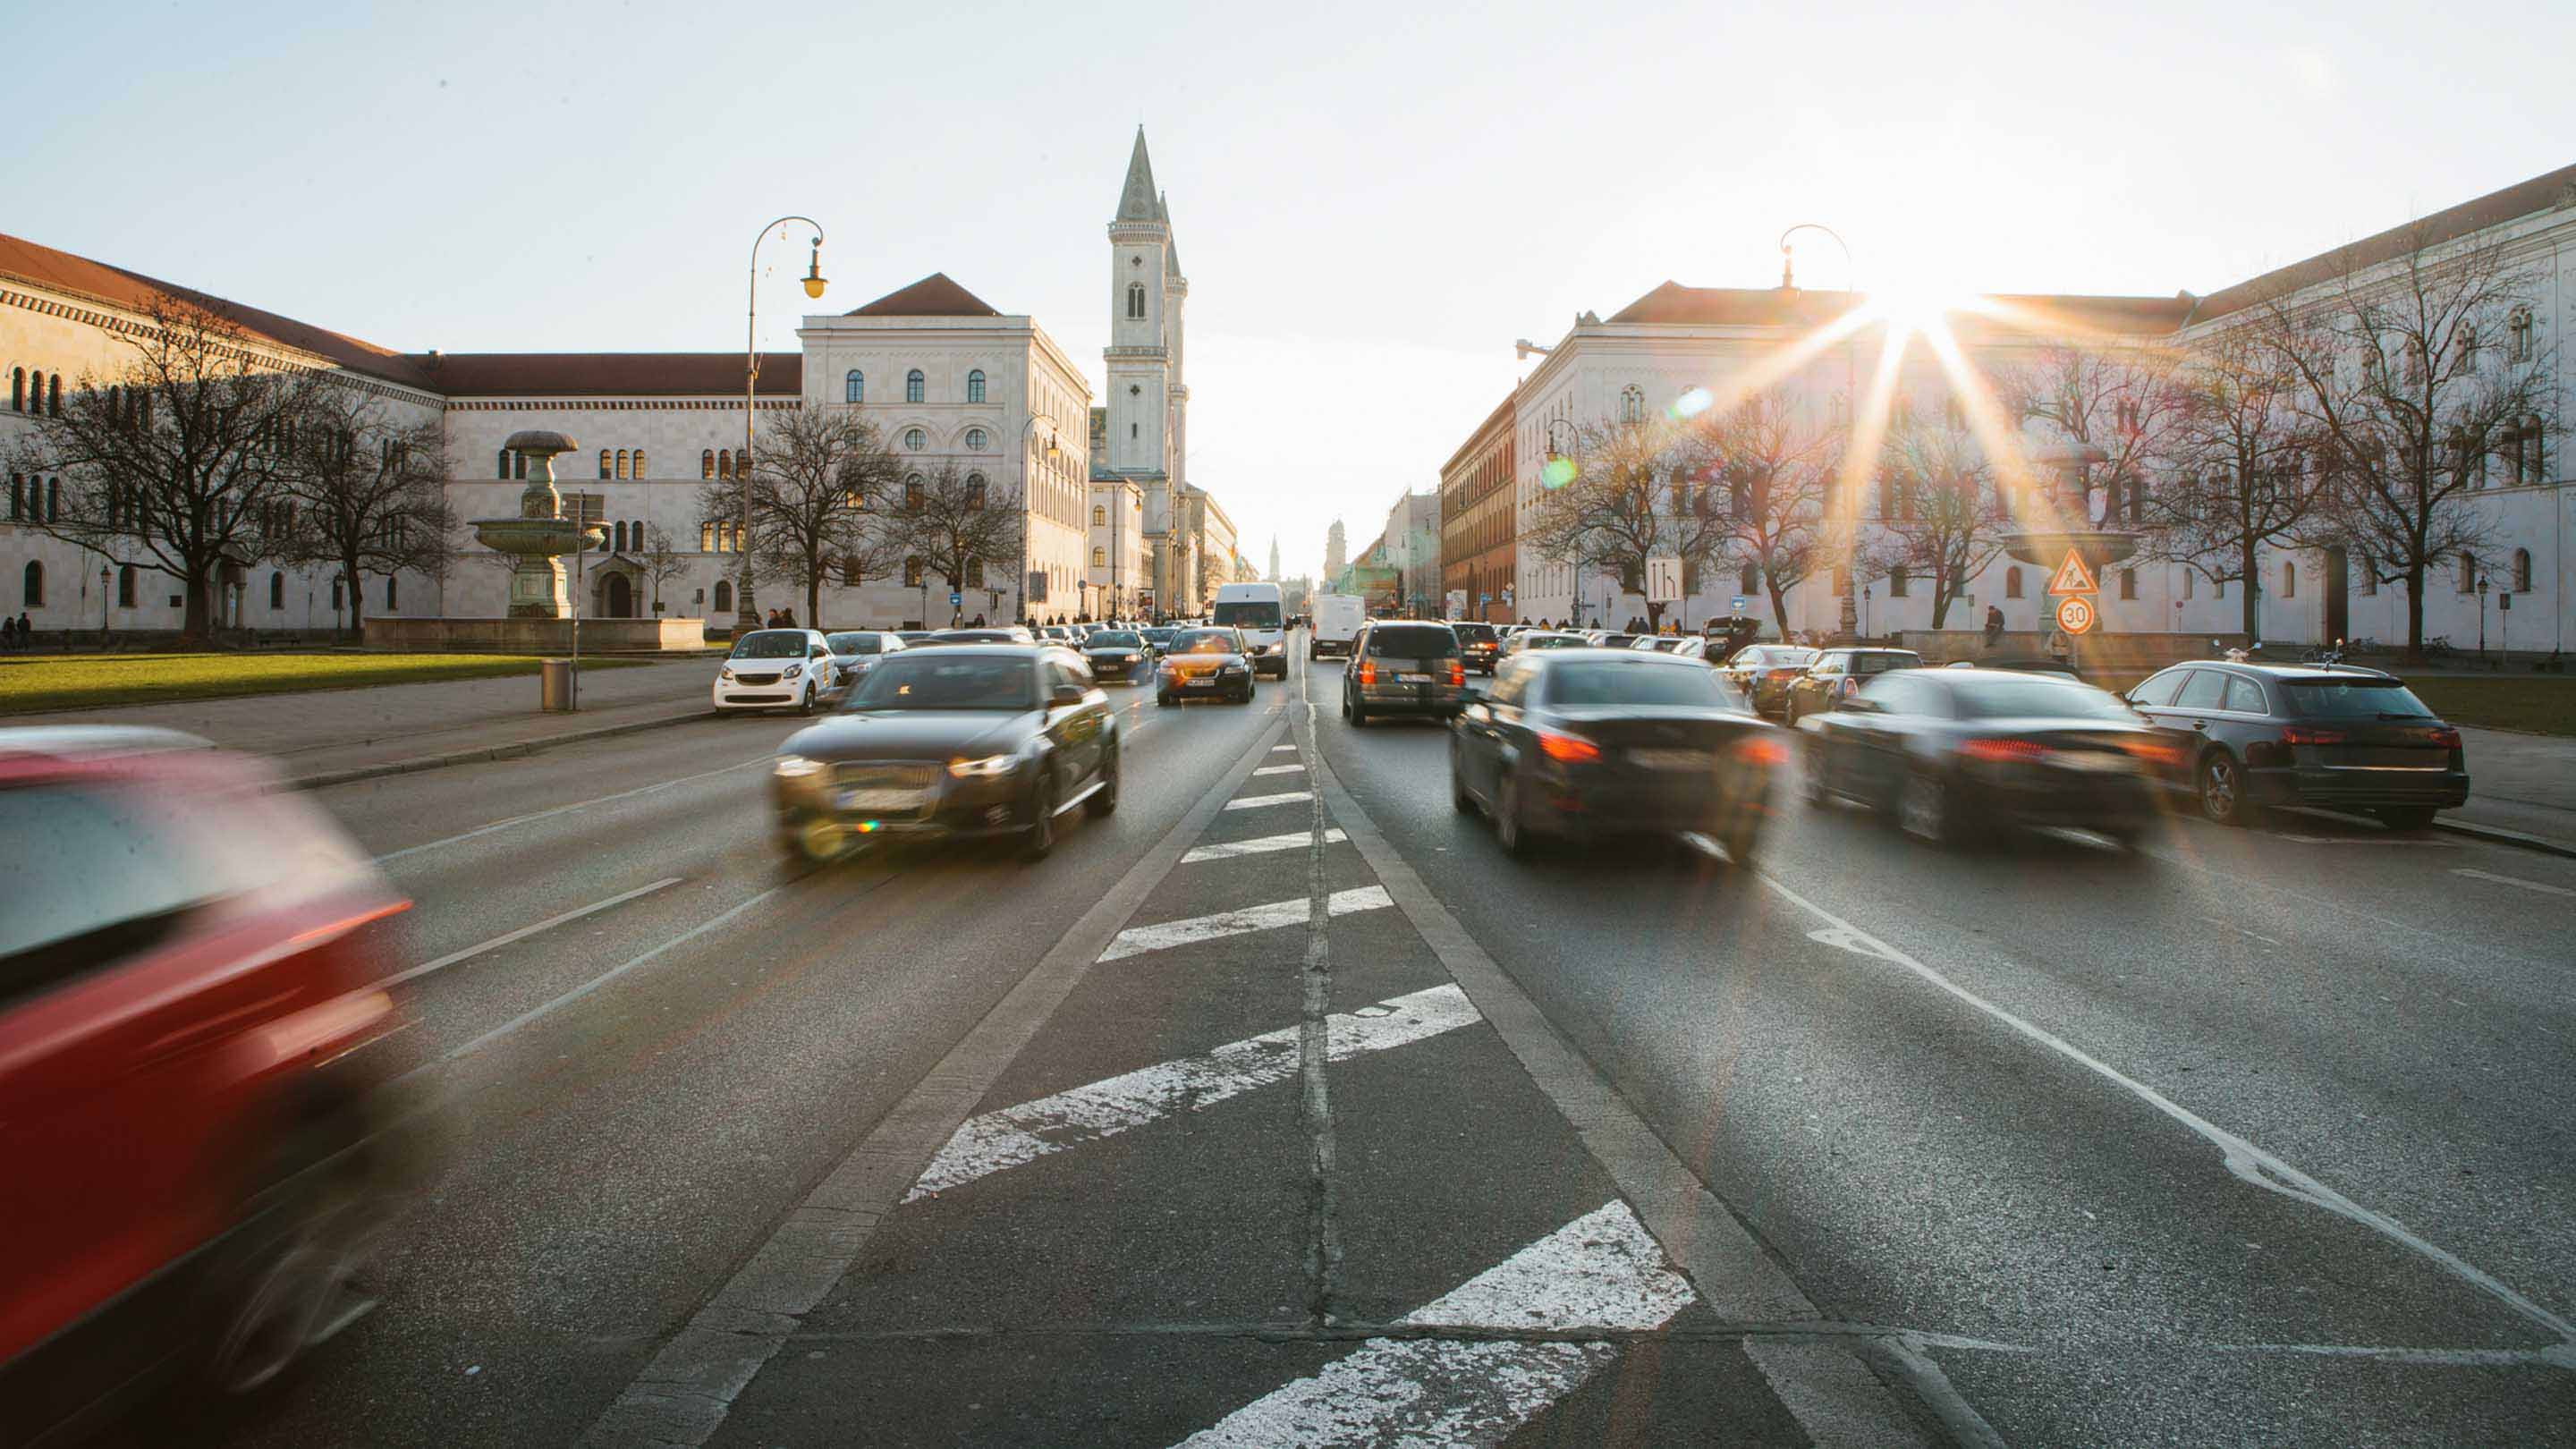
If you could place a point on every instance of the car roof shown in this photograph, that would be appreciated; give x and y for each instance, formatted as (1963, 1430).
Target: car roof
(2294, 673)
(1554, 657)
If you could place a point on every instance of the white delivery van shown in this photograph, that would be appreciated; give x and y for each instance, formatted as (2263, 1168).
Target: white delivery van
(1262, 614)
(1337, 622)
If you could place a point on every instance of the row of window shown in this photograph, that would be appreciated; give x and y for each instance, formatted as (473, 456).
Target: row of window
(31, 589)
(35, 500)
(35, 392)
(916, 386)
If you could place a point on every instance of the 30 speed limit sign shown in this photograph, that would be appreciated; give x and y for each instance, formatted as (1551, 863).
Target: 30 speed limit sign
(2075, 614)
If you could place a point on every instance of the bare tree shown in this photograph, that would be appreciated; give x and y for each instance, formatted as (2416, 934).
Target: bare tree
(1939, 506)
(362, 492)
(662, 561)
(815, 487)
(1777, 467)
(177, 457)
(1634, 496)
(961, 528)
(2115, 394)
(2239, 475)
(2415, 375)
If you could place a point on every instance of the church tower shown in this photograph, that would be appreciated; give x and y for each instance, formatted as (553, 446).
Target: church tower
(1140, 357)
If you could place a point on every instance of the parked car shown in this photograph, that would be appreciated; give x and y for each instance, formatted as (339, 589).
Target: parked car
(1836, 675)
(950, 742)
(1587, 743)
(1214, 663)
(1117, 654)
(1547, 639)
(1657, 643)
(197, 1039)
(1763, 673)
(1007, 634)
(1404, 666)
(776, 669)
(916, 636)
(1955, 754)
(2242, 737)
(1478, 643)
(856, 651)
(1613, 638)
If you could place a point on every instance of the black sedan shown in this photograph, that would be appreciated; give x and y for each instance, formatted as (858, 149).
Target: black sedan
(2240, 737)
(1478, 644)
(1953, 753)
(1590, 743)
(1120, 654)
(950, 742)
(1207, 664)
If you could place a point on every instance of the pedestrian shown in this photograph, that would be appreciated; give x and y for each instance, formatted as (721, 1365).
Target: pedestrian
(26, 631)
(1994, 625)
(787, 618)
(979, 621)
(8, 634)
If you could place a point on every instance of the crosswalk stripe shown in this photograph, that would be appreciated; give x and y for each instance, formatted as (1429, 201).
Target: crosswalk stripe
(1274, 749)
(1281, 770)
(1293, 840)
(997, 1141)
(1603, 1270)
(1136, 940)
(1290, 798)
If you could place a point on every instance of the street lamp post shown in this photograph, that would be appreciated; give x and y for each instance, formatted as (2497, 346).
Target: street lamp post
(2482, 617)
(102, 606)
(1851, 392)
(746, 616)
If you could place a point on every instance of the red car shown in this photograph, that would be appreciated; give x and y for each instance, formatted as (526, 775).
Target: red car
(192, 1038)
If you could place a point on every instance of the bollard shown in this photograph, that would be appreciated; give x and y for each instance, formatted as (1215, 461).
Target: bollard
(557, 694)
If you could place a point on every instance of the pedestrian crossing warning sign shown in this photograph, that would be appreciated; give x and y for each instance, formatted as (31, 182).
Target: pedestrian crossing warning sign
(2073, 577)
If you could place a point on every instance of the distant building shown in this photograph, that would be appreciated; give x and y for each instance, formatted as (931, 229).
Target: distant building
(1412, 544)
(1477, 521)
(1336, 552)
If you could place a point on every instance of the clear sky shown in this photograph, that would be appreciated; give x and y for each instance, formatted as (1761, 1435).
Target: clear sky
(1371, 201)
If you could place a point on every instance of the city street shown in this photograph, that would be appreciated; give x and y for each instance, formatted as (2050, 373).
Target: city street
(1282, 1106)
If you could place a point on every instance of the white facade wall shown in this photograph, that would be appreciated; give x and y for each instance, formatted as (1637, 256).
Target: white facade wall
(1117, 569)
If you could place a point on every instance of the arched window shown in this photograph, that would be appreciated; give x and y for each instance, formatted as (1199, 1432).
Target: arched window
(707, 463)
(53, 500)
(519, 466)
(392, 592)
(724, 596)
(1135, 299)
(276, 592)
(1899, 579)
(724, 463)
(1099, 558)
(1099, 516)
(2289, 579)
(18, 389)
(1747, 579)
(639, 462)
(617, 537)
(975, 386)
(2522, 571)
(54, 404)
(1632, 404)
(2190, 583)
(974, 490)
(912, 571)
(916, 388)
(915, 439)
(501, 467)
(604, 464)
(33, 595)
(912, 491)
(854, 386)
(2468, 572)
(624, 469)
(706, 538)
(2012, 583)
(2128, 583)
(975, 440)
(974, 573)
(17, 497)
(125, 586)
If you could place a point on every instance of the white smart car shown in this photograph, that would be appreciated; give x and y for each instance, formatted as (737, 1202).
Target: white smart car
(776, 669)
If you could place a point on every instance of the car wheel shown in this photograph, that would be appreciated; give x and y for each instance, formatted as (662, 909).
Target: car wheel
(1923, 808)
(1104, 801)
(2408, 818)
(1459, 799)
(1509, 832)
(294, 1286)
(1041, 836)
(2222, 790)
(1814, 791)
(1358, 712)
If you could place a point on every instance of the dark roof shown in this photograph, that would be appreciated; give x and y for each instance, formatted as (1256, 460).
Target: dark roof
(62, 272)
(1772, 307)
(1138, 196)
(588, 374)
(2545, 192)
(932, 296)
(1499, 420)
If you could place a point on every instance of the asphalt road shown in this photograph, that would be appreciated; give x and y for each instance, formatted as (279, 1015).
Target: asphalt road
(2256, 1137)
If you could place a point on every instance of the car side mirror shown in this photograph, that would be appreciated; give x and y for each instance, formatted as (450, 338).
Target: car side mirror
(1064, 694)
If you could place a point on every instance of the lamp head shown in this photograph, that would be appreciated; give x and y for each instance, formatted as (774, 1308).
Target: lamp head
(814, 270)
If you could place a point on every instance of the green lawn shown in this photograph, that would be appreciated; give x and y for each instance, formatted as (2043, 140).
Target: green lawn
(2544, 706)
(97, 681)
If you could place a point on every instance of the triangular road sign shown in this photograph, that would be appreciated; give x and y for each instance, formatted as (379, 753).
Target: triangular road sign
(2073, 577)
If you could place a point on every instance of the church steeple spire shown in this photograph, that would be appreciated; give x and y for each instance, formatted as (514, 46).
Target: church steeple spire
(1139, 200)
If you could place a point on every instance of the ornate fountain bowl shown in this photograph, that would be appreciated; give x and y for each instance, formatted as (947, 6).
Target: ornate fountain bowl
(541, 537)
(2048, 547)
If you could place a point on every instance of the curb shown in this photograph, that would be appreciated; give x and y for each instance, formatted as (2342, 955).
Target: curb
(513, 750)
(2498, 835)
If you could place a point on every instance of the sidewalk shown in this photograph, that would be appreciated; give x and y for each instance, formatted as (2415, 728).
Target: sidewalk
(323, 737)
(2522, 788)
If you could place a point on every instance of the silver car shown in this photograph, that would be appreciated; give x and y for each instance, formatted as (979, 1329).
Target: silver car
(856, 651)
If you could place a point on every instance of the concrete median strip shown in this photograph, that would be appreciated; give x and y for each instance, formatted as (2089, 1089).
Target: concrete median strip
(1013, 1136)
(1137, 940)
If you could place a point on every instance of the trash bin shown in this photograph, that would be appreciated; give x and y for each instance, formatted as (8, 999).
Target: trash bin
(558, 696)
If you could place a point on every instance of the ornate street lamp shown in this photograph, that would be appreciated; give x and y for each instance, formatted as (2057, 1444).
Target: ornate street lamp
(746, 615)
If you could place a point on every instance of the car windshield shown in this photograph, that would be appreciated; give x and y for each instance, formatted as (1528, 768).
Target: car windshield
(1473, 633)
(928, 679)
(1984, 694)
(1248, 614)
(1554, 641)
(770, 644)
(1881, 663)
(1114, 639)
(1781, 658)
(1412, 641)
(2353, 699)
(1206, 641)
(1588, 683)
(852, 643)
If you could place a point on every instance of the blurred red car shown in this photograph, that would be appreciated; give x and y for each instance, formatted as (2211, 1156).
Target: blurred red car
(191, 1043)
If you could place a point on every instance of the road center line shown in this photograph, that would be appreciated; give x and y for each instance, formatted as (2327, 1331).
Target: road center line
(1281, 770)
(1137, 940)
(1252, 801)
(1600, 1271)
(2248, 1162)
(2514, 880)
(521, 934)
(531, 818)
(1227, 850)
(1012, 1136)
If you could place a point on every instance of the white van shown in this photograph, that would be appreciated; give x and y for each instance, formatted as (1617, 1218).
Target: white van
(1262, 614)
(1337, 622)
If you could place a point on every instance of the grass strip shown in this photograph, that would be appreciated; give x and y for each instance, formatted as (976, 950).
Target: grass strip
(107, 681)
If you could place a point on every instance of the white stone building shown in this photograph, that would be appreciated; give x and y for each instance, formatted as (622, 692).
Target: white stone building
(1119, 581)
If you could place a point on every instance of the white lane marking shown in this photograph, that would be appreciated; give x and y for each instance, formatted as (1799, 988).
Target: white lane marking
(521, 934)
(1136, 940)
(2363, 840)
(2515, 880)
(1281, 770)
(1254, 801)
(997, 1141)
(1600, 1271)
(482, 830)
(2248, 1162)
(1274, 749)
(1297, 840)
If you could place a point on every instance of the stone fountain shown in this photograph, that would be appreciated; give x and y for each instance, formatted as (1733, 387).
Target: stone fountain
(2070, 515)
(540, 535)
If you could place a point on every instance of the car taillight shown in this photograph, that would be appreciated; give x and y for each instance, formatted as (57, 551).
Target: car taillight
(1457, 672)
(2445, 736)
(1763, 750)
(2311, 735)
(1782, 674)
(2004, 750)
(1571, 749)
(1368, 672)
(2152, 751)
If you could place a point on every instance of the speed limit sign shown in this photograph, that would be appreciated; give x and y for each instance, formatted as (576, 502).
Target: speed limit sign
(2075, 614)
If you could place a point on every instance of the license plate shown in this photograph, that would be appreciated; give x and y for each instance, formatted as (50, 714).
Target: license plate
(1198, 684)
(1413, 679)
(881, 799)
(1670, 759)
(2102, 763)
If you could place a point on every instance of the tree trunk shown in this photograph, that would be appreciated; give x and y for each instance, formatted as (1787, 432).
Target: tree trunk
(1940, 597)
(814, 597)
(2250, 570)
(2415, 612)
(196, 618)
(1779, 603)
(357, 602)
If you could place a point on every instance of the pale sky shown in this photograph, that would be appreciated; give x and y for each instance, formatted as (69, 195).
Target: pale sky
(1371, 203)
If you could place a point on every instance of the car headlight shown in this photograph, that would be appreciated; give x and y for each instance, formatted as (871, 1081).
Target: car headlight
(1135, 658)
(794, 671)
(1231, 668)
(988, 766)
(797, 767)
